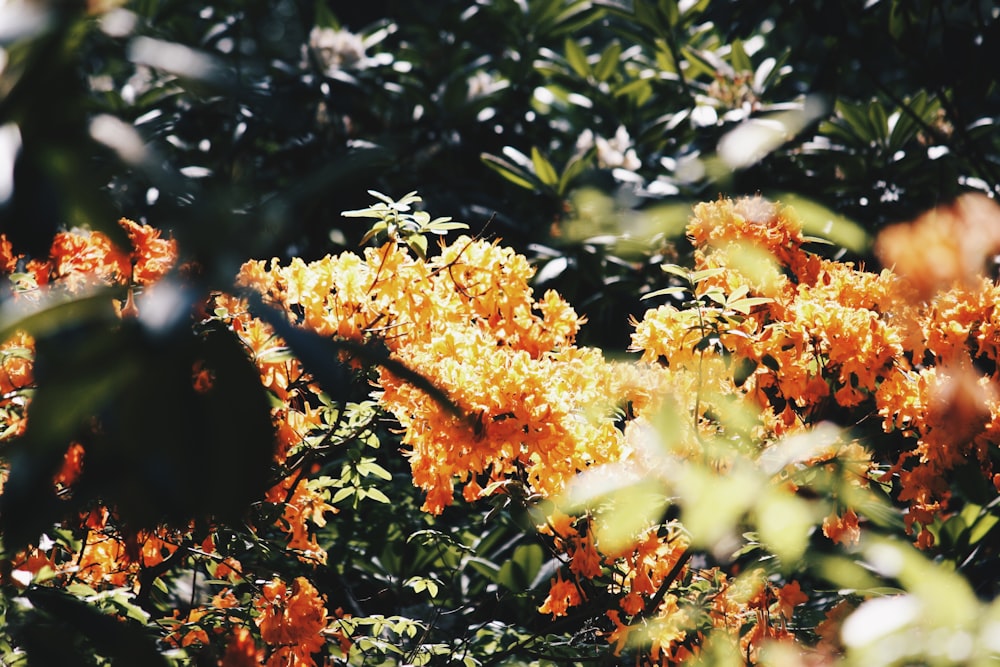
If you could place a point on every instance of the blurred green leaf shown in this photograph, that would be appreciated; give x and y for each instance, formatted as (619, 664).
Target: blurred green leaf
(512, 173)
(577, 58)
(740, 59)
(608, 62)
(543, 168)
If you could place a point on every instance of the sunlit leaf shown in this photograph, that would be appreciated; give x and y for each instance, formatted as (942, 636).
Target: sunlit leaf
(543, 168)
(666, 291)
(784, 522)
(821, 221)
(512, 173)
(576, 58)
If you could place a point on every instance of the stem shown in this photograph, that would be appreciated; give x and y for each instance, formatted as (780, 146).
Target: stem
(654, 602)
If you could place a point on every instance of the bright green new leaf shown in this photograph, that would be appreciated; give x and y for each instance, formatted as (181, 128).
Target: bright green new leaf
(543, 168)
(577, 59)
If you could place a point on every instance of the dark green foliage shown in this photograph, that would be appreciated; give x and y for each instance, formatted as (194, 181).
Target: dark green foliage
(157, 449)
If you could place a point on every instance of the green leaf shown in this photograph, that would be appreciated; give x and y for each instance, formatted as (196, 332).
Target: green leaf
(608, 63)
(646, 14)
(716, 295)
(676, 270)
(370, 212)
(706, 62)
(385, 198)
(879, 121)
(740, 59)
(369, 467)
(377, 495)
(745, 305)
(342, 494)
(443, 226)
(125, 642)
(742, 370)
(512, 173)
(770, 362)
(638, 89)
(519, 572)
(899, 20)
(543, 168)
(543, 12)
(857, 119)
(980, 525)
(670, 9)
(705, 274)
(739, 293)
(577, 59)
(421, 584)
(907, 124)
(574, 168)
(822, 221)
(573, 18)
(403, 203)
(418, 244)
(373, 231)
(275, 355)
(784, 521)
(678, 289)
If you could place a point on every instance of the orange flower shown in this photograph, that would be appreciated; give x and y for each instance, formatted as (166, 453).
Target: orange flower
(559, 524)
(292, 623)
(154, 548)
(16, 363)
(584, 559)
(25, 565)
(224, 599)
(947, 245)
(190, 634)
(229, 568)
(562, 595)
(472, 490)
(202, 377)
(83, 258)
(151, 256)
(241, 651)
(104, 561)
(305, 508)
(618, 636)
(632, 604)
(789, 597)
(8, 259)
(72, 466)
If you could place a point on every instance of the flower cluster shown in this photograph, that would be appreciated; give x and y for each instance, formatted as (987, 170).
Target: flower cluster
(542, 411)
(536, 408)
(80, 258)
(290, 624)
(770, 342)
(830, 341)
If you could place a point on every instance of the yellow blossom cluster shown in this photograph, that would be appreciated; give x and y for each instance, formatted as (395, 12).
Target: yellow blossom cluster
(537, 408)
(831, 341)
(770, 330)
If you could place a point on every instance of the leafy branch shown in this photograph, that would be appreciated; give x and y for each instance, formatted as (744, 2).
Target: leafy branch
(395, 220)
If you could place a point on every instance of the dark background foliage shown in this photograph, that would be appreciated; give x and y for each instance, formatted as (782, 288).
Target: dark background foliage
(219, 123)
(252, 145)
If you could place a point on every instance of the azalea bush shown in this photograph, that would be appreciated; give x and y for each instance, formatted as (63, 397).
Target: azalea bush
(781, 466)
(266, 418)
